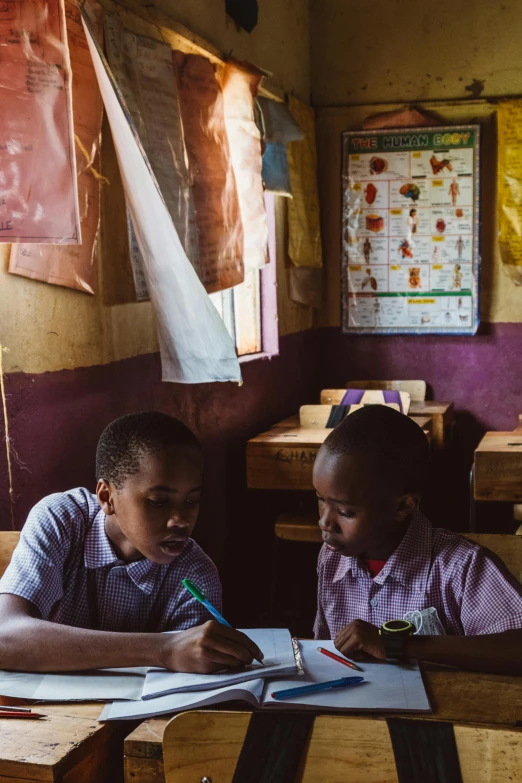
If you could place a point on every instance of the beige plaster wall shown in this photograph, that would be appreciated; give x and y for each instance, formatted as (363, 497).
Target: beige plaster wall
(383, 54)
(50, 328)
(375, 51)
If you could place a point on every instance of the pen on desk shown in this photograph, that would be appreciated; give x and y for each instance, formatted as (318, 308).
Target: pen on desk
(8, 713)
(199, 596)
(338, 658)
(9, 708)
(316, 687)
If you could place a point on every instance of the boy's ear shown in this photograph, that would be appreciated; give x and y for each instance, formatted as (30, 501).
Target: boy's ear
(406, 505)
(104, 495)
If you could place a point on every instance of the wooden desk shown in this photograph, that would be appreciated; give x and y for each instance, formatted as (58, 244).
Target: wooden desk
(67, 746)
(284, 456)
(461, 697)
(441, 413)
(498, 467)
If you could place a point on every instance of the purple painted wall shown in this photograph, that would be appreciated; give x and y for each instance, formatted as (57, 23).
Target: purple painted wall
(481, 374)
(56, 419)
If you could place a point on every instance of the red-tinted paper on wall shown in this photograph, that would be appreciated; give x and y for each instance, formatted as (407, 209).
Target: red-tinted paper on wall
(74, 266)
(38, 197)
(240, 86)
(218, 219)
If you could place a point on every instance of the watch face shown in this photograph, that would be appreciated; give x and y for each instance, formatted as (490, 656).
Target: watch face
(397, 627)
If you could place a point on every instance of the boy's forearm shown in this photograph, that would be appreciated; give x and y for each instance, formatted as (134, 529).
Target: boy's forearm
(31, 644)
(496, 653)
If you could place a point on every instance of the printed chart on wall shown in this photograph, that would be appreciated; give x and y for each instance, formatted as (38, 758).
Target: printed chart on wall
(410, 231)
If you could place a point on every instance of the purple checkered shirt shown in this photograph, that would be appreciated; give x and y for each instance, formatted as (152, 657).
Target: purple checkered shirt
(468, 585)
(66, 566)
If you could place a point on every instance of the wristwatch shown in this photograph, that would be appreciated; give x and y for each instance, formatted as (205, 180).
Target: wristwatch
(395, 634)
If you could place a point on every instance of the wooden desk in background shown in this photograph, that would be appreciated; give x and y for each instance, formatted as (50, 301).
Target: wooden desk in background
(67, 746)
(460, 697)
(440, 412)
(498, 466)
(284, 456)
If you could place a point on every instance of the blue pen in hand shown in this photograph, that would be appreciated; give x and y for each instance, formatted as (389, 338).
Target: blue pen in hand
(316, 687)
(198, 595)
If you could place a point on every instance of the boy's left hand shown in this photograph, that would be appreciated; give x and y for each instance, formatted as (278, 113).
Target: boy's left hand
(360, 637)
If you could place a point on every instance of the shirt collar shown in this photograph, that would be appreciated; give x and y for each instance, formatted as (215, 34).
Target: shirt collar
(98, 553)
(409, 564)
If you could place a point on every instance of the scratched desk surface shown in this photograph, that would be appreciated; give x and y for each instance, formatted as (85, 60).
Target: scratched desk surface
(67, 746)
(283, 457)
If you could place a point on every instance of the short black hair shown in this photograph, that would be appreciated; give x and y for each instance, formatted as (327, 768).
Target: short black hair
(127, 439)
(393, 444)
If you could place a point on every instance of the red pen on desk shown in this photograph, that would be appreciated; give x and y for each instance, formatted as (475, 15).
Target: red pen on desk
(18, 712)
(338, 658)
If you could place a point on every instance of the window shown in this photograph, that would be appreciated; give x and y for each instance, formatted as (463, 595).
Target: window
(249, 310)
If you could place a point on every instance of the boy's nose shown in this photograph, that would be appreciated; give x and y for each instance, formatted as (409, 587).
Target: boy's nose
(326, 522)
(176, 520)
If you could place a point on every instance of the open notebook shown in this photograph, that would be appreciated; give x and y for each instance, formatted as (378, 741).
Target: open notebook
(390, 687)
(108, 684)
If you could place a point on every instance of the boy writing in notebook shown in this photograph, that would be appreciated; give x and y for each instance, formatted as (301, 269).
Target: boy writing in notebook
(382, 560)
(95, 577)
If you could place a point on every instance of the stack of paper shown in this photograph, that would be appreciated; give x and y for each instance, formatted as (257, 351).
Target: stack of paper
(143, 683)
(387, 687)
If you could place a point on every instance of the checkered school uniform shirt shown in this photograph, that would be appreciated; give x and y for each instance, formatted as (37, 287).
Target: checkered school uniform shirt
(66, 566)
(468, 585)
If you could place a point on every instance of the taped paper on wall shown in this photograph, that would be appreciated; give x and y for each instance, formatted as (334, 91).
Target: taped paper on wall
(38, 195)
(304, 240)
(220, 231)
(194, 343)
(74, 266)
(509, 128)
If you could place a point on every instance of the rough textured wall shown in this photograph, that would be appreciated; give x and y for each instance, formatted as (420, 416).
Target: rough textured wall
(404, 50)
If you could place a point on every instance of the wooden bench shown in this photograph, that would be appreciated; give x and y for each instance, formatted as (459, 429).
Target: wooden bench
(295, 527)
(205, 746)
(460, 697)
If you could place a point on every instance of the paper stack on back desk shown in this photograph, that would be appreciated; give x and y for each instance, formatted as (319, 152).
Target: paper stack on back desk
(108, 684)
(387, 687)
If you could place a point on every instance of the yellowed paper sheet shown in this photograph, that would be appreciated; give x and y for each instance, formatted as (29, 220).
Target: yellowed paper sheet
(240, 86)
(304, 232)
(74, 266)
(38, 196)
(509, 116)
(218, 217)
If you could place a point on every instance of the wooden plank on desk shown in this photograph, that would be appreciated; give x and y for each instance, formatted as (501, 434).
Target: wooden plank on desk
(498, 467)
(55, 748)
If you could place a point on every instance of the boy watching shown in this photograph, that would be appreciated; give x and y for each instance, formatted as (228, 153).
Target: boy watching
(95, 577)
(381, 558)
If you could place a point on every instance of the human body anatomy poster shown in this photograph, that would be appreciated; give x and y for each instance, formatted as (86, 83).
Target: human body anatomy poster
(410, 230)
